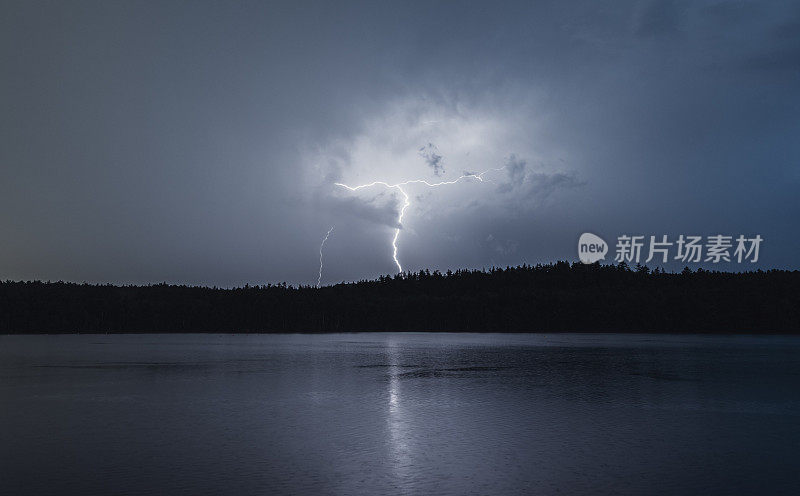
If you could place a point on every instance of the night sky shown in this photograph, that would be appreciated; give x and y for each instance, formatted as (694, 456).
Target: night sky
(200, 142)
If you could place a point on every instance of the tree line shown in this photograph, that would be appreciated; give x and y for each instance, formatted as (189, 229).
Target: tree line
(557, 297)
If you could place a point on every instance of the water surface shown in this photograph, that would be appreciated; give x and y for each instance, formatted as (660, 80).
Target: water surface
(373, 414)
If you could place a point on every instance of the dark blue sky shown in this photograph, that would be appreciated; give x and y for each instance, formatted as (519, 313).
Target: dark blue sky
(199, 142)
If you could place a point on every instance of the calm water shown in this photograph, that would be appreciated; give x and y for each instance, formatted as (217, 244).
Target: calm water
(378, 414)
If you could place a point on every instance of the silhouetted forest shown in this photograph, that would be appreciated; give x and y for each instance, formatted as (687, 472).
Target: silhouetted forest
(544, 298)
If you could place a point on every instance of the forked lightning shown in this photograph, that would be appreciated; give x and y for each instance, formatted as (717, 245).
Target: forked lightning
(407, 203)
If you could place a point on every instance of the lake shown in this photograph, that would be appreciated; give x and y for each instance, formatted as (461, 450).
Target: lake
(396, 414)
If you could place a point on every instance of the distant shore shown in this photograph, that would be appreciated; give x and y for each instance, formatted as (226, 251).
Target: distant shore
(550, 298)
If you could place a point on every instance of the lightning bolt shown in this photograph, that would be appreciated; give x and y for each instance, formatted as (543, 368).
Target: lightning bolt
(407, 203)
(319, 278)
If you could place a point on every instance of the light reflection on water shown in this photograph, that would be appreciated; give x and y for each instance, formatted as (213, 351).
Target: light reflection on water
(398, 436)
(399, 414)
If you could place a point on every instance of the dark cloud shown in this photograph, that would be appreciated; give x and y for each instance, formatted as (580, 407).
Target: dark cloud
(151, 141)
(541, 185)
(430, 153)
(516, 169)
(534, 186)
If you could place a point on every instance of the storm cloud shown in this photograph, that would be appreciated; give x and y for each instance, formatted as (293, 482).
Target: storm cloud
(200, 142)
